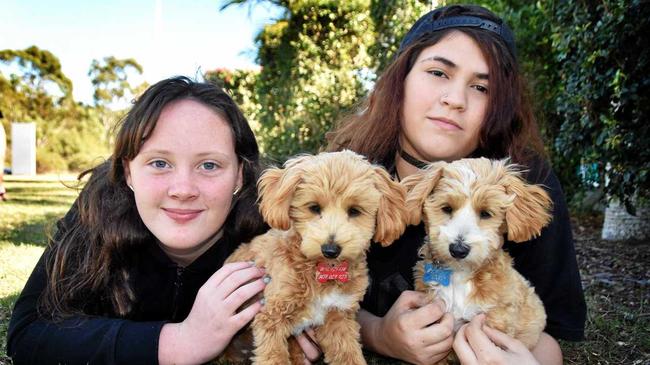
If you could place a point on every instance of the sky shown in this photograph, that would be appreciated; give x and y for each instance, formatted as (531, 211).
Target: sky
(166, 37)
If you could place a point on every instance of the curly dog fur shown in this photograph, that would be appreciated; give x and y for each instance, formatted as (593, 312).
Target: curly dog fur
(322, 209)
(468, 207)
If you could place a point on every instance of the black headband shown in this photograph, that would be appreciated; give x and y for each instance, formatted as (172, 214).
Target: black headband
(426, 25)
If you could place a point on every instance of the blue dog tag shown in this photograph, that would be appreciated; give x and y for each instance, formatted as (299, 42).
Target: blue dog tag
(436, 274)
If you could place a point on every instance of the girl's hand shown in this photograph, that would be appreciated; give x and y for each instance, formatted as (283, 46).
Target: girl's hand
(414, 330)
(214, 319)
(308, 344)
(476, 343)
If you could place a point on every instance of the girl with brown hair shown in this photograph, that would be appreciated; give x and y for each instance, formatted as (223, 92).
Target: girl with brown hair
(134, 273)
(453, 91)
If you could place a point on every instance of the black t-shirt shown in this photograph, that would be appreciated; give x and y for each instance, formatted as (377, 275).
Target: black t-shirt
(548, 262)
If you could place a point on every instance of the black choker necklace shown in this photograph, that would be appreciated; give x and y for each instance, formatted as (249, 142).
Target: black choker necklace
(412, 160)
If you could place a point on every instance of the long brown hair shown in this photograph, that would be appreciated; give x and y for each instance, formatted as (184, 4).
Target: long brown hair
(98, 242)
(509, 128)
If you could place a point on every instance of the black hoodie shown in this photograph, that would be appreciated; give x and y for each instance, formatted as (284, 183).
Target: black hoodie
(164, 291)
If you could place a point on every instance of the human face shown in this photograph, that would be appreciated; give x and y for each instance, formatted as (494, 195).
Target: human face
(445, 100)
(184, 177)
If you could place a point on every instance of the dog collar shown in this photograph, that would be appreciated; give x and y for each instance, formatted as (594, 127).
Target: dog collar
(326, 271)
(437, 275)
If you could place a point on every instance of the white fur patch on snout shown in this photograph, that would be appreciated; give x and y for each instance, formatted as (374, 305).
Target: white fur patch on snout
(315, 314)
(463, 223)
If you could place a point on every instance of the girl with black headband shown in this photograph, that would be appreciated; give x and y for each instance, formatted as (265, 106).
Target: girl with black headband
(454, 90)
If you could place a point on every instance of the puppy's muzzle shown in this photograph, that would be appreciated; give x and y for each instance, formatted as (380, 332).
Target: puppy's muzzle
(459, 249)
(330, 250)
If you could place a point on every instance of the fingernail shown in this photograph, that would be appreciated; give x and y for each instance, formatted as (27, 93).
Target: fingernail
(251, 263)
(263, 301)
(266, 279)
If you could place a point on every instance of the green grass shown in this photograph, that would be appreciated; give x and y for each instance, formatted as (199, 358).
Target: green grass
(617, 332)
(33, 207)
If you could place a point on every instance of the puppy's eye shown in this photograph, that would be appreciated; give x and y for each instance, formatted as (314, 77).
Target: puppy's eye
(353, 212)
(314, 208)
(446, 209)
(485, 214)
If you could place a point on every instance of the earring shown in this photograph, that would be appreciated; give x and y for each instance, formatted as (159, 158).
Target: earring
(236, 191)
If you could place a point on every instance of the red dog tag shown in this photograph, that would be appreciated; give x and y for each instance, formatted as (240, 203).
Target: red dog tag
(326, 271)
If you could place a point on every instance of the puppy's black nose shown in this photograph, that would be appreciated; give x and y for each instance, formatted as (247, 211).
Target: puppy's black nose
(459, 250)
(330, 250)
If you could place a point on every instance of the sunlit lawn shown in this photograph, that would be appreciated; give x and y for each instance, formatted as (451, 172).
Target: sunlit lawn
(33, 207)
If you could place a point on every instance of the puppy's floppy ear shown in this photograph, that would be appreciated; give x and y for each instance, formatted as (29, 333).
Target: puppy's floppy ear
(392, 216)
(530, 209)
(276, 187)
(419, 186)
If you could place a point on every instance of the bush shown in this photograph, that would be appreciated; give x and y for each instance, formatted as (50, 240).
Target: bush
(603, 57)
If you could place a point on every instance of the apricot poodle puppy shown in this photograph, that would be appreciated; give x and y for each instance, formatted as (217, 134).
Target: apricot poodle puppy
(469, 206)
(324, 211)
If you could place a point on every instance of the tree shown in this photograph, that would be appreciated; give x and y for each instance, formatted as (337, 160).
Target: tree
(111, 80)
(37, 68)
(603, 57)
(110, 77)
(392, 19)
(241, 86)
(37, 90)
(312, 61)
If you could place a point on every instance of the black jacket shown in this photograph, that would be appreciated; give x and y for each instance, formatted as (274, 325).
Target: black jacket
(548, 262)
(164, 293)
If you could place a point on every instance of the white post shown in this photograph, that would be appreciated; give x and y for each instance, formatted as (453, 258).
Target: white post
(3, 148)
(23, 148)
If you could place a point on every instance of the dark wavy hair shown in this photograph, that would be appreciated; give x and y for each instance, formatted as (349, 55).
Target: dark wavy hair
(509, 128)
(97, 243)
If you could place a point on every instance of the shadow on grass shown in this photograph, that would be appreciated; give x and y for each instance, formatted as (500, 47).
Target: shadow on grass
(34, 232)
(31, 188)
(32, 180)
(52, 200)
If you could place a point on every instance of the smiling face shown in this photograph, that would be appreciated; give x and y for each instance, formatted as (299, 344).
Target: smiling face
(184, 177)
(445, 100)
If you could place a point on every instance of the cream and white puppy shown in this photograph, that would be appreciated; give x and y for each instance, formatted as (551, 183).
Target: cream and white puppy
(469, 207)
